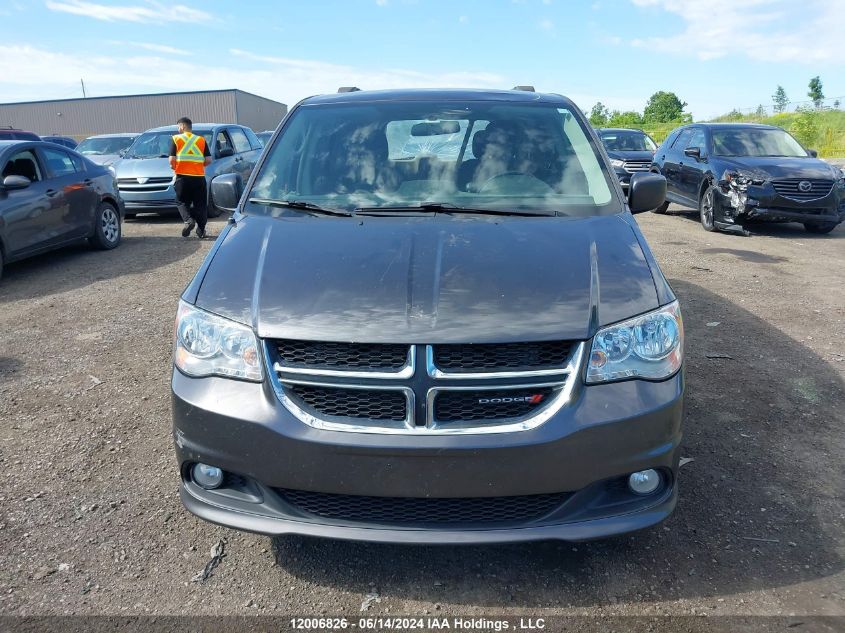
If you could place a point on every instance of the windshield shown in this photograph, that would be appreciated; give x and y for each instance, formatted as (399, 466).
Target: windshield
(104, 146)
(479, 155)
(157, 144)
(755, 142)
(625, 141)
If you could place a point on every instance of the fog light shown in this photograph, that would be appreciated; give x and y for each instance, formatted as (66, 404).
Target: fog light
(208, 477)
(644, 482)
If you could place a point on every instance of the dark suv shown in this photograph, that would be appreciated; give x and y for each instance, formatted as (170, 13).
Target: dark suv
(451, 341)
(630, 151)
(738, 173)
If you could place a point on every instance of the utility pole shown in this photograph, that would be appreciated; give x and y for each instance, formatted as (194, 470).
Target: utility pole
(83, 89)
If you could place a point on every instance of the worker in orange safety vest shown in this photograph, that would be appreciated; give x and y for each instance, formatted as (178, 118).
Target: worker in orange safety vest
(189, 155)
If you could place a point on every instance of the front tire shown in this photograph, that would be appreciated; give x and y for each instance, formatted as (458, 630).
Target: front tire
(107, 228)
(707, 209)
(820, 228)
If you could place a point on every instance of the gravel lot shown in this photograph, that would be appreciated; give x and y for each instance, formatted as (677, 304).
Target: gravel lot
(91, 523)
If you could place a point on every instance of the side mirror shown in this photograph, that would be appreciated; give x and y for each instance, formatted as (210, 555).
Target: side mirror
(225, 152)
(813, 153)
(16, 182)
(693, 152)
(647, 191)
(226, 191)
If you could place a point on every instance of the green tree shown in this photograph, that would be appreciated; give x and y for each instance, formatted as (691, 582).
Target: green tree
(664, 107)
(806, 127)
(625, 119)
(760, 112)
(836, 104)
(816, 93)
(599, 115)
(780, 99)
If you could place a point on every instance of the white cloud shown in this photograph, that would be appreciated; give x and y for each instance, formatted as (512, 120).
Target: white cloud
(34, 73)
(765, 30)
(382, 3)
(546, 25)
(148, 11)
(464, 19)
(156, 48)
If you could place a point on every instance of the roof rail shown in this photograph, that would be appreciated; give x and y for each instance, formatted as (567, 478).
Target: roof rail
(349, 89)
(524, 88)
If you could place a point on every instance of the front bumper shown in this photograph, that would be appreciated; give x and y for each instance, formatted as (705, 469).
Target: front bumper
(585, 450)
(763, 203)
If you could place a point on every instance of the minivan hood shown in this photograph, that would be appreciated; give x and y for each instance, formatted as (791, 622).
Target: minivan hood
(772, 167)
(134, 167)
(428, 279)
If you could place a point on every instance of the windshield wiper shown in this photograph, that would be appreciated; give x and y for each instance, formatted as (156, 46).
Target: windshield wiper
(446, 207)
(300, 204)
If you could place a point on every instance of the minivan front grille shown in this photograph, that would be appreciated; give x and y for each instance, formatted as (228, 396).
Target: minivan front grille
(365, 404)
(340, 356)
(144, 184)
(794, 189)
(425, 511)
(460, 388)
(478, 405)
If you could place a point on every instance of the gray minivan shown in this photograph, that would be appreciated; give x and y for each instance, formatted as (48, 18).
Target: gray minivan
(145, 178)
(432, 318)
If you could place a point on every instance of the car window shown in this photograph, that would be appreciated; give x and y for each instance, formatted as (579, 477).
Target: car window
(404, 153)
(697, 139)
(254, 141)
(78, 162)
(222, 142)
(157, 144)
(755, 142)
(23, 164)
(59, 163)
(240, 141)
(681, 141)
(627, 141)
(99, 146)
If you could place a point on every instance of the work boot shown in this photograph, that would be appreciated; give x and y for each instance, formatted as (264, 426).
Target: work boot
(189, 226)
(201, 232)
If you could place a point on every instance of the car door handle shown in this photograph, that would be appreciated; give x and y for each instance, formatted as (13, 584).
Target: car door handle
(51, 193)
(88, 182)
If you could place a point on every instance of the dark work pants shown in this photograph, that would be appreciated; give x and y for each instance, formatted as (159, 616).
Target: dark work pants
(192, 196)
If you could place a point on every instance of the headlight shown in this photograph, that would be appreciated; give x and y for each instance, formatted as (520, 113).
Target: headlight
(615, 162)
(112, 170)
(209, 345)
(648, 346)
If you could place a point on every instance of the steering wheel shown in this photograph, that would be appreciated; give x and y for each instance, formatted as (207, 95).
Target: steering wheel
(490, 182)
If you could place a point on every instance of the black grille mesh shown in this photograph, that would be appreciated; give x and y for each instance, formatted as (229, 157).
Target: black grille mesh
(788, 188)
(370, 404)
(420, 511)
(460, 406)
(501, 356)
(350, 356)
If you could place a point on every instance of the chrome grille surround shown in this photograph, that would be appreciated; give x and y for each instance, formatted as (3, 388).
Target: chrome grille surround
(421, 384)
(636, 166)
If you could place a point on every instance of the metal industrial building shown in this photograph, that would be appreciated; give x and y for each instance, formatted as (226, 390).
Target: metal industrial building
(81, 118)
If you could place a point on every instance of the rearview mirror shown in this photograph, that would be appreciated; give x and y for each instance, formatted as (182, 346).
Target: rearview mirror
(813, 153)
(647, 191)
(435, 128)
(225, 152)
(694, 152)
(226, 191)
(16, 182)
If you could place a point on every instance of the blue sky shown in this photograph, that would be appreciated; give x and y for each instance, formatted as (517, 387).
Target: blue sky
(715, 54)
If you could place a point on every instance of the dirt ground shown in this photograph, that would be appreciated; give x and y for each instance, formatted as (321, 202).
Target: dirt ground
(91, 523)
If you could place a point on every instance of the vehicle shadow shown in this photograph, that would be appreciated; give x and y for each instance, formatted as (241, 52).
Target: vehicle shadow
(759, 506)
(771, 229)
(77, 266)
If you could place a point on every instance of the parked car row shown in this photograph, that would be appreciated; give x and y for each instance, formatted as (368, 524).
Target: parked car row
(734, 174)
(52, 195)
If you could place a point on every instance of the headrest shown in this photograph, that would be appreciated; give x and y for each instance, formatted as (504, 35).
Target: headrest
(479, 143)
